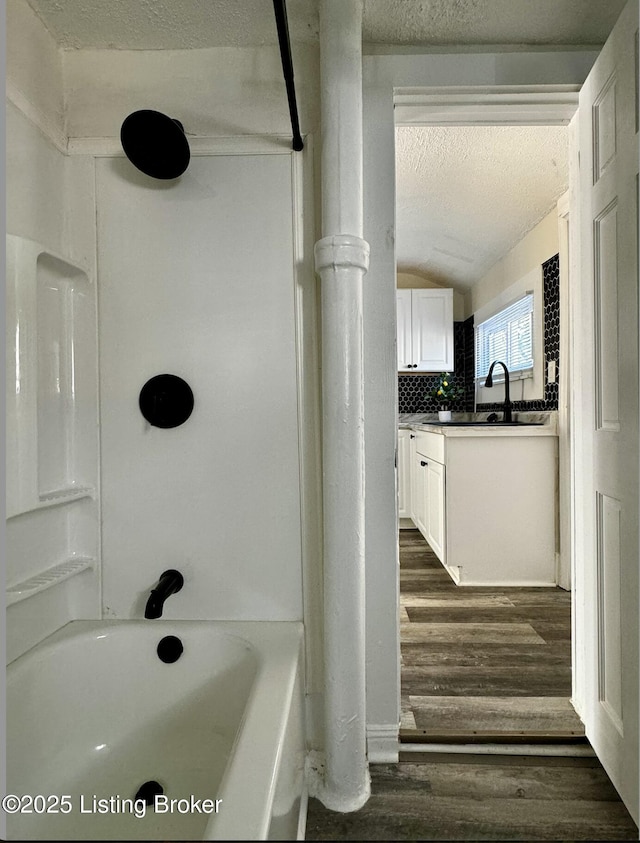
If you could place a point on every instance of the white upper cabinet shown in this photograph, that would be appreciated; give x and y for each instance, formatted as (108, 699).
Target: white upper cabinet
(425, 330)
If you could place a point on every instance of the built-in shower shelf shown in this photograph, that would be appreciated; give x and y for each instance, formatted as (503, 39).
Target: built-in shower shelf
(73, 493)
(47, 579)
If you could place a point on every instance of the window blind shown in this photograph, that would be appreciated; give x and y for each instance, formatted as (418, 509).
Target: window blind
(506, 336)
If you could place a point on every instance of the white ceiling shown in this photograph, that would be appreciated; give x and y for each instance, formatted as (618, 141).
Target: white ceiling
(466, 195)
(187, 24)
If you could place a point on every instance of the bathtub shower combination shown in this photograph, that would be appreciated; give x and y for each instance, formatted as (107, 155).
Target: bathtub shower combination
(127, 727)
(159, 730)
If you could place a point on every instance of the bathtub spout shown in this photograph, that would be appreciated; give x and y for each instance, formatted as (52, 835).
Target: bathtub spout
(169, 582)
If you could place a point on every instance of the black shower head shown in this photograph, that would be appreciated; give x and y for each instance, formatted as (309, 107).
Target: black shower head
(155, 144)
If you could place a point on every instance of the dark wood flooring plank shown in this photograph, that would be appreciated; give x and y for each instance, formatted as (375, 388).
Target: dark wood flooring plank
(477, 801)
(557, 617)
(552, 630)
(484, 681)
(457, 601)
(512, 655)
(486, 713)
(463, 633)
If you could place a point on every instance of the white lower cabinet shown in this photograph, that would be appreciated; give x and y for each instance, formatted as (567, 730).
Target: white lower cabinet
(485, 503)
(420, 505)
(429, 503)
(435, 508)
(405, 441)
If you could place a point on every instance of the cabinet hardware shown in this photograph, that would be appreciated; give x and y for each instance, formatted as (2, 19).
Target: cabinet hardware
(411, 436)
(422, 463)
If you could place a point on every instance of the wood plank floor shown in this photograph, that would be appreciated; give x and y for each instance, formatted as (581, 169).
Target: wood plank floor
(481, 661)
(487, 661)
(482, 798)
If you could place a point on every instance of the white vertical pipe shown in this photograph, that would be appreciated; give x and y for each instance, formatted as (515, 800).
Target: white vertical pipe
(341, 113)
(341, 261)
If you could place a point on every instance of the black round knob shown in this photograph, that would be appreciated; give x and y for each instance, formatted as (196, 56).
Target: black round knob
(166, 401)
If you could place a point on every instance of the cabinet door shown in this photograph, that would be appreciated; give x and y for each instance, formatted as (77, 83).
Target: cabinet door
(403, 314)
(404, 474)
(414, 463)
(421, 489)
(435, 508)
(432, 330)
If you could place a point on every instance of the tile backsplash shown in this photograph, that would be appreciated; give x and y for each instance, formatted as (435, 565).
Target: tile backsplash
(413, 390)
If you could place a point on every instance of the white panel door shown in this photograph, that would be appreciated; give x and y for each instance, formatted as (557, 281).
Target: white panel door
(403, 315)
(607, 465)
(432, 329)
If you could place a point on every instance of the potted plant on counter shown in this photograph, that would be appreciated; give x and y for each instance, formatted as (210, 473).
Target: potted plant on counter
(444, 393)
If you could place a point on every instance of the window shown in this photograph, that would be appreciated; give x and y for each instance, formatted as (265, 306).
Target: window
(507, 336)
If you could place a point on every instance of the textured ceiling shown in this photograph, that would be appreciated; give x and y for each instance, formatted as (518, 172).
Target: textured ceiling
(438, 22)
(466, 195)
(189, 24)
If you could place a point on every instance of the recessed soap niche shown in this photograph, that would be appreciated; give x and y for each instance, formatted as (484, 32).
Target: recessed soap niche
(51, 379)
(64, 311)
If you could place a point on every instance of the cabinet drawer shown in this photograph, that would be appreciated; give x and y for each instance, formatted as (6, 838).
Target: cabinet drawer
(430, 445)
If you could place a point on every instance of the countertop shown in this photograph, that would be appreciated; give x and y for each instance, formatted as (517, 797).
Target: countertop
(547, 428)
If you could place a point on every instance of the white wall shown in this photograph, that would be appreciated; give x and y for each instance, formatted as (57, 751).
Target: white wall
(509, 279)
(197, 280)
(221, 92)
(540, 244)
(383, 74)
(49, 200)
(34, 70)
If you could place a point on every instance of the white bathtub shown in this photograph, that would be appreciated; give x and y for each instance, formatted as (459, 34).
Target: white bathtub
(93, 713)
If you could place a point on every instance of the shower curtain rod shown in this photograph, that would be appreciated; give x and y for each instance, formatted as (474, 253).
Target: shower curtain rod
(279, 7)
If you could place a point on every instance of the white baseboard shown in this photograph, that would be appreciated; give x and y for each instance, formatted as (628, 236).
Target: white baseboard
(382, 743)
(510, 584)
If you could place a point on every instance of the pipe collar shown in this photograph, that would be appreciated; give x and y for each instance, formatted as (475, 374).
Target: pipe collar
(341, 250)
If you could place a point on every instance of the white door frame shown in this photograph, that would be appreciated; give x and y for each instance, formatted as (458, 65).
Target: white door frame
(387, 77)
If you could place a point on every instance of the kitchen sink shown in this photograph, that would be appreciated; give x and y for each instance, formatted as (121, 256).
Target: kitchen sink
(481, 423)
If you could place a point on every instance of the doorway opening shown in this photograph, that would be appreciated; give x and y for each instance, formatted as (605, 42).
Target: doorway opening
(485, 606)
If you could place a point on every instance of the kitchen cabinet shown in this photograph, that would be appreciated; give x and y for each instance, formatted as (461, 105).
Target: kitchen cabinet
(435, 508)
(429, 486)
(485, 499)
(425, 330)
(405, 441)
